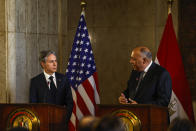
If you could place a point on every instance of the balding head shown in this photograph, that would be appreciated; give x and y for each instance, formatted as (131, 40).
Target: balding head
(86, 123)
(144, 52)
(140, 58)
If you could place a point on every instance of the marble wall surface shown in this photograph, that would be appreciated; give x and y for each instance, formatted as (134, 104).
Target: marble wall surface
(3, 51)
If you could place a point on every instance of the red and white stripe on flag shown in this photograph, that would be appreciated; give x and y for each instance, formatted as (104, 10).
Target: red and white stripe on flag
(169, 57)
(85, 100)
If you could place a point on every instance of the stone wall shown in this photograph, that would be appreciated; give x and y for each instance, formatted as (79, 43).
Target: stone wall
(3, 52)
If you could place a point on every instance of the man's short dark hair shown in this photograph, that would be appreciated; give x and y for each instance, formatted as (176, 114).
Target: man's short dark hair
(44, 54)
(109, 123)
(180, 124)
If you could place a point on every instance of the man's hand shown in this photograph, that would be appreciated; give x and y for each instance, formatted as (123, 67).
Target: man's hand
(122, 99)
(132, 101)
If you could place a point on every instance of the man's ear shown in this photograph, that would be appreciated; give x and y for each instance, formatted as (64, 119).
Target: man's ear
(42, 64)
(145, 60)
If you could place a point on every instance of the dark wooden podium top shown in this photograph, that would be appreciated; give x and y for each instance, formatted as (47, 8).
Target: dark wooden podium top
(31, 105)
(152, 117)
(51, 117)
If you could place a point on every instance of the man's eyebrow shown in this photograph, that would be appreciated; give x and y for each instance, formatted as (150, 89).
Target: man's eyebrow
(52, 60)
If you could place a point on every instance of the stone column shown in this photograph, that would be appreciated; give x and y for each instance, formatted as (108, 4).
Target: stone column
(3, 54)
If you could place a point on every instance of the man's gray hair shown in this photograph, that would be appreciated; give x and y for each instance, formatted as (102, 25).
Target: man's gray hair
(146, 53)
(44, 55)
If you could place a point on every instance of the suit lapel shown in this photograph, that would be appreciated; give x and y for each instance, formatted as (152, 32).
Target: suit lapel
(58, 80)
(133, 81)
(43, 81)
(148, 74)
(146, 79)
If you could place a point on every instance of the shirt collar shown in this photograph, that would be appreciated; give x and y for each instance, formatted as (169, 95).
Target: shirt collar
(47, 76)
(147, 68)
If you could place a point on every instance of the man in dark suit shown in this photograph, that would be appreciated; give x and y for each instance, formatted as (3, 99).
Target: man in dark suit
(149, 83)
(51, 87)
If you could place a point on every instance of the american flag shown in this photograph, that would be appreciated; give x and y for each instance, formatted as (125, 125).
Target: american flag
(82, 75)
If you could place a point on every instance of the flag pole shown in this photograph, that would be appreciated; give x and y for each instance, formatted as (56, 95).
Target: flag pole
(83, 5)
(170, 2)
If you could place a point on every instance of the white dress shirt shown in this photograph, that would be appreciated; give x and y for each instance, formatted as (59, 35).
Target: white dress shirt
(47, 76)
(147, 68)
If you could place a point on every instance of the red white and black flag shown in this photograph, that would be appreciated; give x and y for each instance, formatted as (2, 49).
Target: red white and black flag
(169, 57)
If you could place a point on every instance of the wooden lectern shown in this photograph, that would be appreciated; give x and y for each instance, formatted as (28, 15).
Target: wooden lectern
(37, 117)
(152, 118)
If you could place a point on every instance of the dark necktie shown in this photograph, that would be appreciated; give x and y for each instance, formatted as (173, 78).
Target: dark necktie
(52, 85)
(140, 79)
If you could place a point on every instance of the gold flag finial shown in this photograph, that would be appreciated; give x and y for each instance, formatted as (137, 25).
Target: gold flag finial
(83, 5)
(170, 2)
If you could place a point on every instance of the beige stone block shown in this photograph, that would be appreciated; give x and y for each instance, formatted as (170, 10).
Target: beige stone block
(123, 13)
(64, 27)
(20, 13)
(73, 20)
(161, 12)
(2, 15)
(111, 13)
(33, 66)
(43, 16)
(74, 11)
(20, 42)
(53, 16)
(158, 35)
(42, 42)
(74, 6)
(66, 51)
(71, 37)
(11, 68)
(53, 43)
(21, 68)
(3, 58)
(31, 16)
(11, 15)
(64, 17)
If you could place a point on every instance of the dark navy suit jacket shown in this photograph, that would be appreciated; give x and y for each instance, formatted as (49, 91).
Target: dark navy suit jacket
(155, 87)
(39, 92)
